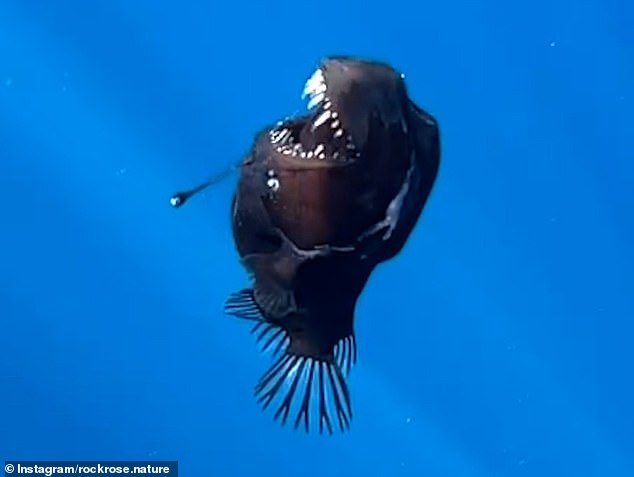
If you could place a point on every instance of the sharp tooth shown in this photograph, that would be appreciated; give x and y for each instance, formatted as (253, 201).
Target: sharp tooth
(315, 84)
(335, 115)
(319, 149)
(323, 117)
(335, 124)
(335, 155)
(310, 154)
(327, 104)
(303, 155)
(315, 100)
(339, 133)
(278, 136)
(322, 156)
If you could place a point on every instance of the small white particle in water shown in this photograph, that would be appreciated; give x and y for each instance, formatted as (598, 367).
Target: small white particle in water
(8, 81)
(123, 170)
(522, 462)
(552, 44)
(408, 420)
(64, 89)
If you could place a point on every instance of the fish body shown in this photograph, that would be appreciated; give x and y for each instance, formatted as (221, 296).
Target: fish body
(322, 199)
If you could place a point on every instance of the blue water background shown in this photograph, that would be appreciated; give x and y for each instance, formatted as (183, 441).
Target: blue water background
(499, 343)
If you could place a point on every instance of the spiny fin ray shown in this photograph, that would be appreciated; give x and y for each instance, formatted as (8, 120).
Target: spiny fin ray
(309, 385)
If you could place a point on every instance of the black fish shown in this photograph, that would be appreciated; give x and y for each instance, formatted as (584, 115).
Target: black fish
(322, 199)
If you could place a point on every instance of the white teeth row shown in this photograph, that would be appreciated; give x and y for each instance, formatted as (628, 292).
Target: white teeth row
(296, 151)
(325, 116)
(332, 116)
(315, 88)
(315, 100)
(319, 152)
(277, 136)
(315, 85)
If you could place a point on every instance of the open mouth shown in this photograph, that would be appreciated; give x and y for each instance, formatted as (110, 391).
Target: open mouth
(318, 135)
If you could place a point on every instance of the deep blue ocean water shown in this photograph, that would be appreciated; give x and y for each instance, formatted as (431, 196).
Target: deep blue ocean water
(499, 343)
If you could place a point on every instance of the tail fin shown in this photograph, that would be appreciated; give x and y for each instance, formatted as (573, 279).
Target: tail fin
(320, 381)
